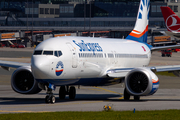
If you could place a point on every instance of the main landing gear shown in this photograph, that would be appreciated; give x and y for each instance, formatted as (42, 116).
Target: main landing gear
(65, 90)
(127, 96)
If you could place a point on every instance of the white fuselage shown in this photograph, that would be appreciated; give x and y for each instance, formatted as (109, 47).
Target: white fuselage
(85, 58)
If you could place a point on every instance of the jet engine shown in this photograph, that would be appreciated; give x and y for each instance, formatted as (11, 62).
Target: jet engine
(22, 81)
(141, 82)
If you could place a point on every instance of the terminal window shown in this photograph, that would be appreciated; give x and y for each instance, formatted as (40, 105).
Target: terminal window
(41, 10)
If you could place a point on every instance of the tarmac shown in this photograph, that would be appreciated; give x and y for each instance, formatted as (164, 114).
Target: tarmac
(87, 98)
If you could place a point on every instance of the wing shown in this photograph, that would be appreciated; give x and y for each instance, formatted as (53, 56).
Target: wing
(173, 34)
(118, 73)
(9, 64)
(164, 47)
(122, 72)
(176, 35)
(169, 68)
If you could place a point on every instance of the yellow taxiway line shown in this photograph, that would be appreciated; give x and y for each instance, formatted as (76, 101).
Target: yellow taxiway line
(110, 91)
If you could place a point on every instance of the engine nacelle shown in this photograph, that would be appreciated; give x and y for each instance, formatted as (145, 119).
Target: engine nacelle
(22, 81)
(141, 82)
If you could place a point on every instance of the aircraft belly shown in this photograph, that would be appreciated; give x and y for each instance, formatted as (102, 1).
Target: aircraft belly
(97, 81)
(58, 82)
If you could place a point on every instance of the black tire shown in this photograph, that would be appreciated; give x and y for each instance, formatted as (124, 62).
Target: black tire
(137, 98)
(47, 100)
(126, 95)
(62, 92)
(72, 93)
(53, 99)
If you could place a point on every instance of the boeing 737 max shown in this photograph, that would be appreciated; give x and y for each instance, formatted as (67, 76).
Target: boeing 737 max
(70, 61)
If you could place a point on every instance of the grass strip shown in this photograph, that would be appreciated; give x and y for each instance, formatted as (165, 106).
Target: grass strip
(103, 115)
(166, 74)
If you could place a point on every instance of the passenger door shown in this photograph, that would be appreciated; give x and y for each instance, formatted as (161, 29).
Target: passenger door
(74, 55)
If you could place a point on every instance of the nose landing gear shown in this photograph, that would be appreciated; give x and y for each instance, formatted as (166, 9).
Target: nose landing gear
(50, 98)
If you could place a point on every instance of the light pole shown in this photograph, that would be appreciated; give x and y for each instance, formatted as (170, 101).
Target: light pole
(32, 23)
(84, 14)
(27, 10)
(90, 19)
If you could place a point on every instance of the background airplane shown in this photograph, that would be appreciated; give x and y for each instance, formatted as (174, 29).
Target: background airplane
(172, 22)
(69, 61)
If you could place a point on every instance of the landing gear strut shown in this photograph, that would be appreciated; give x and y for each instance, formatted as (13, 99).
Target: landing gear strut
(127, 96)
(50, 98)
(137, 98)
(65, 90)
(62, 92)
(72, 92)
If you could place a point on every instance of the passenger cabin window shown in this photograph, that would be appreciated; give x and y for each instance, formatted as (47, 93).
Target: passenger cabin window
(48, 53)
(37, 52)
(57, 53)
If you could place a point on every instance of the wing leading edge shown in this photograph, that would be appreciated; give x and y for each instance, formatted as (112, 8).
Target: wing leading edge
(9, 64)
(169, 68)
(164, 47)
(122, 72)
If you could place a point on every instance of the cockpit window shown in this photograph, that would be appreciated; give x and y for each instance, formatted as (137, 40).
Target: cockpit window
(57, 53)
(60, 53)
(48, 53)
(37, 52)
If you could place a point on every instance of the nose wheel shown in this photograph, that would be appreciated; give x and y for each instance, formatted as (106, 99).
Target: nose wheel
(50, 98)
(65, 90)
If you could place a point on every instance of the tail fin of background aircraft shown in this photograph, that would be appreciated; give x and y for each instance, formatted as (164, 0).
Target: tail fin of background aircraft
(140, 31)
(171, 19)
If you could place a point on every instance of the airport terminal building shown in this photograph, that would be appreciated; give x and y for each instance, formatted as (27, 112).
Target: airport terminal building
(117, 16)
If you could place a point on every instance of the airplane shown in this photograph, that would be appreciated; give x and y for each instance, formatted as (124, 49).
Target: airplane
(172, 22)
(72, 61)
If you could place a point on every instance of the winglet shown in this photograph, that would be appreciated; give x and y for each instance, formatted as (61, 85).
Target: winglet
(140, 31)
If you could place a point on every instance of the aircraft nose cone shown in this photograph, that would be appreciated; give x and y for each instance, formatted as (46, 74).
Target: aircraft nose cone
(39, 66)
